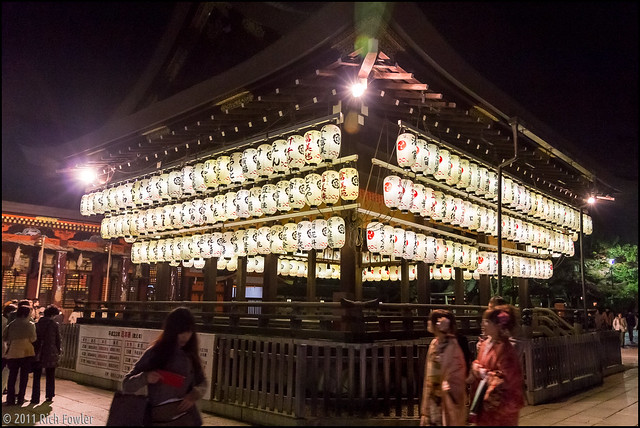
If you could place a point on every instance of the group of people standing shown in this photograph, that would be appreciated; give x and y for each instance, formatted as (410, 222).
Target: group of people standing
(29, 347)
(495, 374)
(623, 324)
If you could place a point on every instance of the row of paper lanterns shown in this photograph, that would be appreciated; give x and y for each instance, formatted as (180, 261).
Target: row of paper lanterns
(291, 237)
(407, 196)
(269, 199)
(282, 156)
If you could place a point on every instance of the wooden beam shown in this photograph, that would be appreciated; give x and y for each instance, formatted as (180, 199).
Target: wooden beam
(404, 86)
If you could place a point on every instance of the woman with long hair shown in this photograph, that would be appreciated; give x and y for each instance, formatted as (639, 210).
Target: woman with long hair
(498, 363)
(444, 390)
(172, 371)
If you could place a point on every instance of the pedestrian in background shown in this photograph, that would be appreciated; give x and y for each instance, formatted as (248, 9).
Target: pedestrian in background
(444, 390)
(631, 323)
(19, 335)
(172, 370)
(48, 349)
(608, 319)
(620, 325)
(499, 364)
(7, 311)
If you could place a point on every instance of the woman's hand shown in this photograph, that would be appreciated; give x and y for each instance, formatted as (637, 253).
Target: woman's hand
(477, 370)
(153, 377)
(187, 402)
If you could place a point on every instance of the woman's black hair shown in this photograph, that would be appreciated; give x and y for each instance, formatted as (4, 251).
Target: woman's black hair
(23, 312)
(440, 313)
(51, 311)
(9, 307)
(178, 321)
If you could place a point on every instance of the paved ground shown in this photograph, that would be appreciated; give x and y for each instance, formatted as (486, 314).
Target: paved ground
(615, 403)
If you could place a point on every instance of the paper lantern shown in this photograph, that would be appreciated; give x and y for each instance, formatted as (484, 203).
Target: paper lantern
(251, 241)
(238, 241)
(474, 177)
(297, 193)
(459, 214)
(209, 174)
(393, 191)
(264, 240)
(268, 199)
(441, 251)
(437, 273)
(465, 174)
(188, 188)
(444, 164)
(219, 211)
(429, 201)
(483, 219)
(279, 156)
(175, 184)
(199, 184)
(151, 222)
(320, 231)
(421, 247)
(458, 255)
(236, 174)
(104, 228)
(195, 246)
(96, 198)
(406, 150)
(135, 252)
(483, 182)
(264, 162)
(223, 171)
(242, 203)
(208, 214)
(231, 212)
(449, 209)
(312, 155)
(349, 184)
(336, 233)
(330, 187)
(284, 267)
(259, 264)
(144, 252)
(330, 142)
(255, 206)
(375, 237)
(492, 185)
(295, 152)
(384, 273)
(377, 273)
(409, 250)
(100, 202)
(483, 263)
(227, 245)
(433, 159)
(282, 196)
(250, 164)
(454, 170)
(422, 157)
(474, 258)
(84, 210)
(449, 254)
(119, 198)
(222, 263)
(313, 185)
(127, 194)
(398, 244)
(290, 237)
(438, 206)
(112, 205)
(305, 235)
(388, 240)
(394, 273)
(277, 239)
(407, 195)
(417, 203)
(199, 214)
(232, 265)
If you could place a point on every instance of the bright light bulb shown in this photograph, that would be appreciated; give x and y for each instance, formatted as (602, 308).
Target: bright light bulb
(591, 200)
(87, 175)
(358, 88)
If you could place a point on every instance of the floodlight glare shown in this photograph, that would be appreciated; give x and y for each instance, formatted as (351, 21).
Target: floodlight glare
(87, 175)
(357, 89)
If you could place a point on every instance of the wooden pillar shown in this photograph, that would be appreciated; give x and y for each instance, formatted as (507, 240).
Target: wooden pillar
(241, 280)
(270, 283)
(32, 274)
(59, 277)
(484, 290)
(143, 282)
(404, 281)
(459, 286)
(523, 293)
(97, 277)
(350, 261)
(423, 286)
(210, 273)
(123, 278)
(311, 276)
(164, 290)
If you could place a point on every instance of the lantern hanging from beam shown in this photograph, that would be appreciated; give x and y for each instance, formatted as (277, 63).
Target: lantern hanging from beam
(282, 196)
(175, 184)
(330, 187)
(268, 199)
(375, 237)
(336, 232)
(433, 159)
(250, 164)
(210, 175)
(264, 240)
(252, 241)
(277, 239)
(231, 212)
(330, 142)
(454, 171)
(407, 195)
(398, 244)
(313, 186)
(305, 235)
(255, 206)
(388, 240)
(295, 152)
(465, 174)
(417, 203)
(409, 245)
(429, 201)
(264, 163)
(422, 157)
(239, 241)
(297, 193)
(406, 150)
(441, 251)
(280, 157)
(438, 206)
(223, 171)
(242, 203)
(492, 185)
(474, 177)
(483, 183)
(198, 177)
(349, 184)
(187, 181)
(259, 264)
(393, 191)
(290, 237)
(312, 154)
(320, 233)
(444, 164)
(421, 247)
(235, 168)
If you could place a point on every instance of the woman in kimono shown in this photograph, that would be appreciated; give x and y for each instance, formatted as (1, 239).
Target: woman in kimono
(444, 389)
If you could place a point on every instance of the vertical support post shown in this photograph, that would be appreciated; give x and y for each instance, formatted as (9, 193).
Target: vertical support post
(210, 274)
(270, 287)
(40, 263)
(241, 280)
(350, 261)
(97, 278)
(105, 292)
(424, 287)
(584, 291)
(165, 290)
(404, 281)
(523, 293)
(459, 286)
(143, 282)
(311, 276)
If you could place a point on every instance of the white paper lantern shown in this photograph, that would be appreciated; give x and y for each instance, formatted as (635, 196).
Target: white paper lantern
(458, 255)
(422, 157)
(242, 203)
(83, 205)
(279, 156)
(305, 235)
(406, 150)
(250, 164)
(264, 240)
(295, 152)
(483, 183)
(409, 245)
(320, 231)
(175, 184)
(265, 162)
(112, 204)
(231, 212)
(417, 203)
(144, 192)
(388, 240)
(420, 252)
(398, 245)
(219, 211)
(441, 251)
(210, 175)
(313, 185)
(297, 193)
(208, 211)
(330, 187)
(336, 232)
(407, 195)
(492, 185)
(474, 177)
(282, 196)
(268, 199)
(188, 188)
(393, 191)
(239, 243)
(444, 164)
(483, 262)
(449, 209)
(277, 239)
(222, 263)
(454, 171)
(438, 206)
(290, 237)
(222, 170)
(284, 267)
(144, 252)
(120, 206)
(235, 168)
(199, 183)
(312, 155)
(384, 273)
(349, 184)
(375, 237)
(255, 206)
(449, 254)
(447, 272)
(432, 158)
(459, 214)
(429, 202)
(437, 273)
(259, 264)
(394, 273)
(227, 245)
(252, 241)
(465, 174)
(152, 222)
(135, 252)
(232, 265)
(330, 142)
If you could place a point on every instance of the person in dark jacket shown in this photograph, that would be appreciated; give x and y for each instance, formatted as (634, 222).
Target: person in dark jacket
(48, 349)
(631, 323)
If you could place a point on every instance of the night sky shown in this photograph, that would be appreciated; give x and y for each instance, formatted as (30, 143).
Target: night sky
(67, 66)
